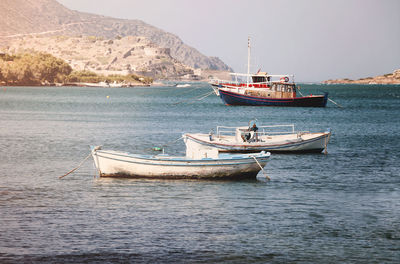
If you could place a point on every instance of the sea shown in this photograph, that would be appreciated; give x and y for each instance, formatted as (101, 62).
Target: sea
(342, 207)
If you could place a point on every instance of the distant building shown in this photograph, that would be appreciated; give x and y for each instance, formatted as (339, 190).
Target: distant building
(197, 72)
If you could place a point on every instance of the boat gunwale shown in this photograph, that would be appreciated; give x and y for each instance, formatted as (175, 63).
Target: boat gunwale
(249, 147)
(187, 163)
(267, 99)
(235, 157)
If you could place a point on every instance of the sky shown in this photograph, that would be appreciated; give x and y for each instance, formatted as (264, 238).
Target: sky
(315, 40)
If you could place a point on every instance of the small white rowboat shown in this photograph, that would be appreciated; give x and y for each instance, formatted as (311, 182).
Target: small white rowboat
(207, 164)
(267, 138)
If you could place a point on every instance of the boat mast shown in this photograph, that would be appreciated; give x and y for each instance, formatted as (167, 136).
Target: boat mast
(248, 61)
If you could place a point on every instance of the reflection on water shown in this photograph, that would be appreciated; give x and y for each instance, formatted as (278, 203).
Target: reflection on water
(342, 207)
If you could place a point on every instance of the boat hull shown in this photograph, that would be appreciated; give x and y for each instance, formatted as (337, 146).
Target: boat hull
(234, 167)
(312, 143)
(233, 98)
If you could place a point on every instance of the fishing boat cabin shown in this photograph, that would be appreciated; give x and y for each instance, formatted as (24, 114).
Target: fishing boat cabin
(281, 88)
(261, 85)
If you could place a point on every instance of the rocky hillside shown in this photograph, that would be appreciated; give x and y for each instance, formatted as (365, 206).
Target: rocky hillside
(390, 78)
(20, 18)
(125, 55)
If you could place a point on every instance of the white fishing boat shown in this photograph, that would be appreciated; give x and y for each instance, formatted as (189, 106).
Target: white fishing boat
(183, 85)
(99, 84)
(199, 163)
(115, 84)
(273, 138)
(106, 84)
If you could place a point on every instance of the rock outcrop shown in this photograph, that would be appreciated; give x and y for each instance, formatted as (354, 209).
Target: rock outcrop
(390, 78)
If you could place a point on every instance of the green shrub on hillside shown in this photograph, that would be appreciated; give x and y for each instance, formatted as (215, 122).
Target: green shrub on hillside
(84, 76)
(91, 77)
(33, 69)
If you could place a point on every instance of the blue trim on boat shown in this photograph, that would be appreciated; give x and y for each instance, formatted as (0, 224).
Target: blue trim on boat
(232, 98)
(187, 162)
(223, 157)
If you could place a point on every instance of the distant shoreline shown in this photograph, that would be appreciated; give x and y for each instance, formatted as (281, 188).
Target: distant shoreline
(390, 78)
(157, 84)
(95, 85)
(76, 85)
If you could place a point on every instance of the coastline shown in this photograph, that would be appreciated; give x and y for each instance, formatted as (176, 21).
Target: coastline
(81, 84)
(118, 85)
(390, 78)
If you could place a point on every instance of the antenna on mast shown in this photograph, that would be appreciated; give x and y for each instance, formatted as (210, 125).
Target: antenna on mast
(248, 60)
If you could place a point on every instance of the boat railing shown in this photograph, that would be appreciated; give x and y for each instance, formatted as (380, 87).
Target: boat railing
(236, 84)
(262, 130)
(225, 130)
(239, 84)
(276, 129)
(218, 81)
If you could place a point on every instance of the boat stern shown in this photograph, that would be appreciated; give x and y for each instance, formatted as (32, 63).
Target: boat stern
(94, 150)
(325, 101)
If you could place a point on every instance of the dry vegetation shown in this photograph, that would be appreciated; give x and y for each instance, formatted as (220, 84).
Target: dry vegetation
(42, 68)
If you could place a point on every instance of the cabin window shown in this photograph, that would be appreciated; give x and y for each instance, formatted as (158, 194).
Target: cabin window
(258, 79)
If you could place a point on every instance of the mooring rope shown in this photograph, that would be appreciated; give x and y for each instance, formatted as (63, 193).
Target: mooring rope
(80, 164)
(264, 173)
(208, 94)
(191, 90)
(166, 145)
(335, 103)
(169, 143)
(198, 98)
(169, 89)
(328, 98)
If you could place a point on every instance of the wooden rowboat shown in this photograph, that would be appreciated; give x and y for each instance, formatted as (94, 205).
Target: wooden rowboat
(207, 164)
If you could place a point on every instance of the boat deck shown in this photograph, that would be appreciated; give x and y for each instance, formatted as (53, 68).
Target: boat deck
(262, 139)
(165, 157)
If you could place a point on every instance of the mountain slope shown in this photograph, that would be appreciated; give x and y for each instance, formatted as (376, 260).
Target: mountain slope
(48, 17)
(127, 55)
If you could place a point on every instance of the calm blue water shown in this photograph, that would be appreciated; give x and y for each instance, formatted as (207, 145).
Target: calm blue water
(340, 208)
